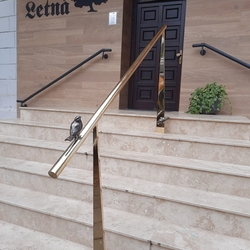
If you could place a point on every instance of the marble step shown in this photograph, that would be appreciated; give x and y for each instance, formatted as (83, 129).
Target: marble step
(112, 119)
(35, 130)
(208, 210)
(205, 175)
(220, 126)
(210, 176)
(72, 220)
(13, 237)
(44, 151)
(194, 147)
(203, 148)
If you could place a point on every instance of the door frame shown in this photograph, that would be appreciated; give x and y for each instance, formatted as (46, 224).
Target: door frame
(131, 11)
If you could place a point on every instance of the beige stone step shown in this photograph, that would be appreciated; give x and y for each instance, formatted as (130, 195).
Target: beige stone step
(190, 238)
(13, 237)
(208, 210)
(220, 126)
(71, 219)
(157, 195)
(122, 119)
(194, 147)
(203, 148)
(35, 130)
(44, 151)
(49, 152)
(216, 177)
(205, 175)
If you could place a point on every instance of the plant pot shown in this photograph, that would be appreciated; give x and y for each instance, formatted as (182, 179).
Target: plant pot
(215, 109)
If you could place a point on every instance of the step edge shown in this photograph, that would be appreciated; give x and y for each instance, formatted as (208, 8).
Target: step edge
(131, 190)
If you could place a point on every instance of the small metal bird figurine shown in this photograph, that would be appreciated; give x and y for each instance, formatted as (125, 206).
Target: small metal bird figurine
(75, 129)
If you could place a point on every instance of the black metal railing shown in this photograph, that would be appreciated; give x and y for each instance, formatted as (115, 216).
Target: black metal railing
(104, 56)
(203, 52)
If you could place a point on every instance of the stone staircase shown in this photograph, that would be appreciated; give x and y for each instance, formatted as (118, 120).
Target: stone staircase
(188, 189)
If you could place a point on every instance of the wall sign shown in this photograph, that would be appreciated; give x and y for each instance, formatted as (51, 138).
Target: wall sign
(56, 9)
(112, 18)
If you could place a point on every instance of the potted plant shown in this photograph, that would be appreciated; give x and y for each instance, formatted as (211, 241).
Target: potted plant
(208, 100)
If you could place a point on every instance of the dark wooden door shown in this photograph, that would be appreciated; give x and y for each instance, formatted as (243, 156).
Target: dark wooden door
(143, 86)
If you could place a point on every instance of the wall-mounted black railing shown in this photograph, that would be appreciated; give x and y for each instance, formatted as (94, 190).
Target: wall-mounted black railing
(203, 52)
(104, 56)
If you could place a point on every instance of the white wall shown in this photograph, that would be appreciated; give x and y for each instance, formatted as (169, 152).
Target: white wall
(8, 60)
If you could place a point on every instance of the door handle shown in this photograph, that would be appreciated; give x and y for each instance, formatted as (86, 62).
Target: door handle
(180, 56)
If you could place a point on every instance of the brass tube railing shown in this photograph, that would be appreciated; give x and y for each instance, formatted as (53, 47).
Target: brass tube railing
(58, 167)
(55, 171)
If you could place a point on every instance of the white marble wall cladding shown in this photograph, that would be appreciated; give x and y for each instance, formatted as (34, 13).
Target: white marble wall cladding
(8, 60)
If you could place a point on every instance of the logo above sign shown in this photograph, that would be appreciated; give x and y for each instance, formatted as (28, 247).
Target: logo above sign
(56, 9)
(89, 3)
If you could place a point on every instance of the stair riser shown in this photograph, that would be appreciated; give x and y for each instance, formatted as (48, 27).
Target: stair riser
(67, 229)
(214, 182)
(64, 228)
(16, 237)
(120, 242)
(208, 128)
(45, 155)
(61, 132)
(186, 149)
(37, 132)
(137, 203)
(70, 189)
(178, 213)
(175, 213)
(110, 121)
(191, 178)
(196, 127)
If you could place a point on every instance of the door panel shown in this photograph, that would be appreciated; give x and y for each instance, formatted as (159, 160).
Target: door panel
(172, 13)
(143, 86)
(145, 90)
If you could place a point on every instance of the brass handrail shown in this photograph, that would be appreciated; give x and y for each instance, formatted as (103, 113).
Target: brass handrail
(62, 162)
(98, 229)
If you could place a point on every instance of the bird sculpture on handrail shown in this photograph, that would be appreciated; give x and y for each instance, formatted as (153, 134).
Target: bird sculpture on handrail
(75, 129)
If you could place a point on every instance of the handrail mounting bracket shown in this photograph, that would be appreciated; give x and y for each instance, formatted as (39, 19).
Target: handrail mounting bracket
(104, 56)
(203, 51)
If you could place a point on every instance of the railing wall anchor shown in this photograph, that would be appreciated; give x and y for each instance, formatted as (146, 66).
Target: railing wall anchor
(104, 56)
(203, 51)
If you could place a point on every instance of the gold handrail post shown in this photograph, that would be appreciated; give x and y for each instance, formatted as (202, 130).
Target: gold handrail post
(98, 232)
(160, 128)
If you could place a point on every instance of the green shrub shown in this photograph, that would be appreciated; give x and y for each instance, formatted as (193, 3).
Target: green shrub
(208, 100)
